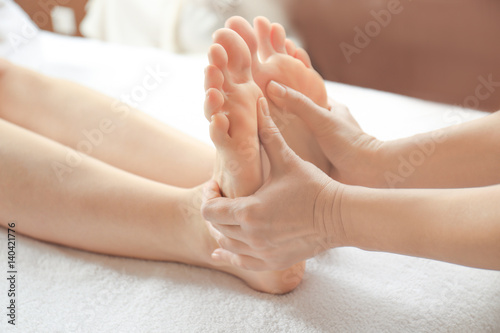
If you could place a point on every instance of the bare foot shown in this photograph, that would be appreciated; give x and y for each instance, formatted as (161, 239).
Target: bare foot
(231, 102)
(232, 97)
(280, 60)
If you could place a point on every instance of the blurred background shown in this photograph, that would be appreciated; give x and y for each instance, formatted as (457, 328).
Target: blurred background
(440, 50)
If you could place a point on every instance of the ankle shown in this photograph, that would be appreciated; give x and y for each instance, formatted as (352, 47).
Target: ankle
(199, 244)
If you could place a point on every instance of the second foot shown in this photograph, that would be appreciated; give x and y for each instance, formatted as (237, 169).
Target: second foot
(231, 104)
(276, 58)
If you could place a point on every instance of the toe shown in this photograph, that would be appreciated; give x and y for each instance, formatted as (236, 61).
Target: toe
(263, 30)
(290, 48)
(213, 102)
(246, 31)
(238, 55)
(302, 55)
(213, 77)
(219, 127)
(218, 57)
(278, 37)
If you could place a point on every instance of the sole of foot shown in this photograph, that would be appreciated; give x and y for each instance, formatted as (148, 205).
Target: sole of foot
(231, 104)
(276, 58)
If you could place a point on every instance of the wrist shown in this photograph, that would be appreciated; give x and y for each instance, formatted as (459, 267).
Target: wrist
(364, 164)
(349, 208)
(376, 162)
(328, 216)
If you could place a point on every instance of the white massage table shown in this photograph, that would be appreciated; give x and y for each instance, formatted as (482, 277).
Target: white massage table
(344, 290)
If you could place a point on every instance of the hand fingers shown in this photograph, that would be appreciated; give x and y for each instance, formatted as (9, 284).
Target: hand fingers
(219, 210)
(270, 136)
(236, 247)
(213, 232)
(238, 260)
(211, 190)
(293, 101)
(232, 231)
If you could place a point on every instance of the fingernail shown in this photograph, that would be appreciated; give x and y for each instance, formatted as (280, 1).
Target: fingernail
(212, 118)
(215, 256)
(277, 89)
(264, 106)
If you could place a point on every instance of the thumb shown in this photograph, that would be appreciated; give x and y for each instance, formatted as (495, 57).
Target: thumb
(314, 116)
(271, 139)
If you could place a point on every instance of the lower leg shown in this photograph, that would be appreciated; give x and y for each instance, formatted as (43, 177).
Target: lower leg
(103, 209)
(96, 208)
(102, 127)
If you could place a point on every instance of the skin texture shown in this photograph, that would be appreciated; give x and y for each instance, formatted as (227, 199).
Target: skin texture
(233, 129)
(98, 199)
(259, 234)
(103, 199)
(455, 225)
(273, 56)
(464, 155)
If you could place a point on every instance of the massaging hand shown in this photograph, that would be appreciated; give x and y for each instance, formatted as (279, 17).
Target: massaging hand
(340, 137)
(284, 221)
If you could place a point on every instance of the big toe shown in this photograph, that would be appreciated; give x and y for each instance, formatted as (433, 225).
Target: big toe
(246, 31)
(238, 55)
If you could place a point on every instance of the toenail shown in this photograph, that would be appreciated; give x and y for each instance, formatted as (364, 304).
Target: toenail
(277, 89)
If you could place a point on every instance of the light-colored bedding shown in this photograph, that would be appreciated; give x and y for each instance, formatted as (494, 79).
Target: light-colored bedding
(344, 290)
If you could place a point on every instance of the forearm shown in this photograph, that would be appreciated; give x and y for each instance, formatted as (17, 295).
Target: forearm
(87, 205)
(453, 225)
(465, 155)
